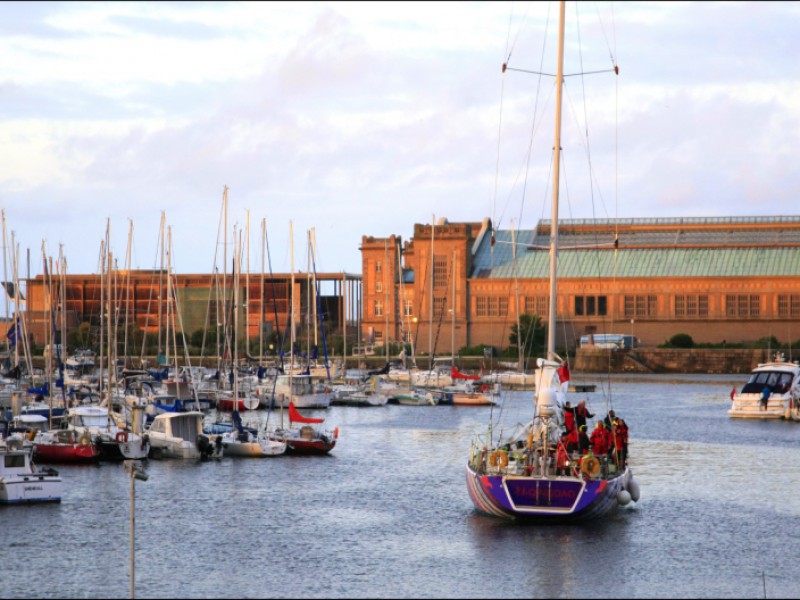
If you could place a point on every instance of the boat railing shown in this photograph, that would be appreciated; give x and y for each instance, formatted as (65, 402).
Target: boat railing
(527, 463)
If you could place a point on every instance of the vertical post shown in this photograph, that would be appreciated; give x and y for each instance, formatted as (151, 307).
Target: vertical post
(552, 312)
(132, 536)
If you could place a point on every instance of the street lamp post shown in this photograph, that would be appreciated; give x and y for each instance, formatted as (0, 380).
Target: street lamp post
(136, 470)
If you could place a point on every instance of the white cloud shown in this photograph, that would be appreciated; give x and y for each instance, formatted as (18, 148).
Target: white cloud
(365, 118)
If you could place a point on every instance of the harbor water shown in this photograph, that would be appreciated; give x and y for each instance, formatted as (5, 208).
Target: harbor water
(387, 515)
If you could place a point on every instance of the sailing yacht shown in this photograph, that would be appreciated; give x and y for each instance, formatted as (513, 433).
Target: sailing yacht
(240, 441)
(528, 475)
(291, 388)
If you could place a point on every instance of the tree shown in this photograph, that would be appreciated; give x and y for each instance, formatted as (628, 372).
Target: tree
(530, 336)
(680, 340)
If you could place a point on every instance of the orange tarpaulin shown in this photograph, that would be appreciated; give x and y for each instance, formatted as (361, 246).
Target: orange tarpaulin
(296, 417)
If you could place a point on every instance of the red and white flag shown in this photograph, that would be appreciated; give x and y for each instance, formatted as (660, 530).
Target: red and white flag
(563, 374)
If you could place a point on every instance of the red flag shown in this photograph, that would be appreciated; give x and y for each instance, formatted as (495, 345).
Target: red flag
(563, 372)
(733, 392)
(296, 417)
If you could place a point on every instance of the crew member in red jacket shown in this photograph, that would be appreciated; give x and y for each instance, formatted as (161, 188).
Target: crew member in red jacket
(599, 440)
(569, 416)
(620, 436)
(572, 440)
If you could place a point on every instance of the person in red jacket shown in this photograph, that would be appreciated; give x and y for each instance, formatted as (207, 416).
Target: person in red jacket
(620, 437)
(599, 440)
(572, 440)
(583, 440)
(569, 416)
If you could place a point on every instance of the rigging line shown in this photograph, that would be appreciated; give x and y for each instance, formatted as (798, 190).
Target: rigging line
(516, 37)
(500, 116)
(565, 75)
(533, 126)
(535, 112)
(612, 53)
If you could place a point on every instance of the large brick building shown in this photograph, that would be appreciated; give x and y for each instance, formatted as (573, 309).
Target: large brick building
(140, 297)
(732, 279)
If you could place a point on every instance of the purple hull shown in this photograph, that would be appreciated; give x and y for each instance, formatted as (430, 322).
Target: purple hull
(544, 499)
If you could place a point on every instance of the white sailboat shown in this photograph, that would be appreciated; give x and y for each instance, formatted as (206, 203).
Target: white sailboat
(310, 437)
(241, 442)
(529, 475)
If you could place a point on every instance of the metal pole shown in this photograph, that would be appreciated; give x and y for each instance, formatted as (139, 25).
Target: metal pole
(133, 525)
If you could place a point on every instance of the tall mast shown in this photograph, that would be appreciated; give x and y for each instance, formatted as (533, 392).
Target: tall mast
(161, 283)
(246, 284)
(385, 285)
(235, 300)
(520, 343)
(5, 277)
(224, 269)
(261, 293)
(453, 322)
(551, 316)
(128, 253)
(291, 320)
(430, 322)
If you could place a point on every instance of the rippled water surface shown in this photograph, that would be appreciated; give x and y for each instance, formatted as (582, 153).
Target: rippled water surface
(387, 514)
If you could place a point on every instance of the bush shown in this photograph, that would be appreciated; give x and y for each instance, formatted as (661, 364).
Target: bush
(767, 342)
(680, 340)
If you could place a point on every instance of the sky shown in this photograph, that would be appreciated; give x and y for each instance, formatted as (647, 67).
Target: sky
(364, 118)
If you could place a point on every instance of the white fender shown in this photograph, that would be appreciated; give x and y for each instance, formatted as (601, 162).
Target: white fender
(623, 497)
(633, 489)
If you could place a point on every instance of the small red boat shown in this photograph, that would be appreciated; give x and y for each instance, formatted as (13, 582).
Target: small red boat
(246, 402)
(306, 439)
(65, 446)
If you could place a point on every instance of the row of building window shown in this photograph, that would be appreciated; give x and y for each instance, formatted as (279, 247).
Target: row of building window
(684, 306)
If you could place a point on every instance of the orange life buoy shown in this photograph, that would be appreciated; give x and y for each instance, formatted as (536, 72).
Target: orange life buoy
(85, 440)
(122, 437)
(499, 459)
(590, 465)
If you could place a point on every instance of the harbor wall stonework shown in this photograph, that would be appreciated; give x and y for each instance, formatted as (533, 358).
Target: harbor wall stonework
(669, 360)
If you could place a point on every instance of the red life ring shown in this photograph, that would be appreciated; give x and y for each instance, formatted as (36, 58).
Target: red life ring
(484, 387)
(122, 437)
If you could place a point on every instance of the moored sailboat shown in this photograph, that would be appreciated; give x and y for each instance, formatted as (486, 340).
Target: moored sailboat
(529, 475)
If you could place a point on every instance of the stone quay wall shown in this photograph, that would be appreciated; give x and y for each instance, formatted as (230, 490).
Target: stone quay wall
(672, 360)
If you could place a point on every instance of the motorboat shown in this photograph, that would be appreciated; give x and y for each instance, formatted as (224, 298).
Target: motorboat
(772, 391)
(180, 435)
(21, 482)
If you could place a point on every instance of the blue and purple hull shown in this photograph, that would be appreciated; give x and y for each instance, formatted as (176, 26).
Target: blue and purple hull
(553, 499)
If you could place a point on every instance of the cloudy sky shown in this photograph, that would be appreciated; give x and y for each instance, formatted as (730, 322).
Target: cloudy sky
(366, 118)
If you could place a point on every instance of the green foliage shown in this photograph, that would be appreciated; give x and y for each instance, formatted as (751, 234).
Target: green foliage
(680, 340)
(767, 342)
(530, 335)
(476, 350)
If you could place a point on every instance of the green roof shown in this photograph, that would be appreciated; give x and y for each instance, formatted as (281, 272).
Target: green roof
(640, 262)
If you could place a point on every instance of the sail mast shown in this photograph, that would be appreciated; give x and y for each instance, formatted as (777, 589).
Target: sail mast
(551, 317)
